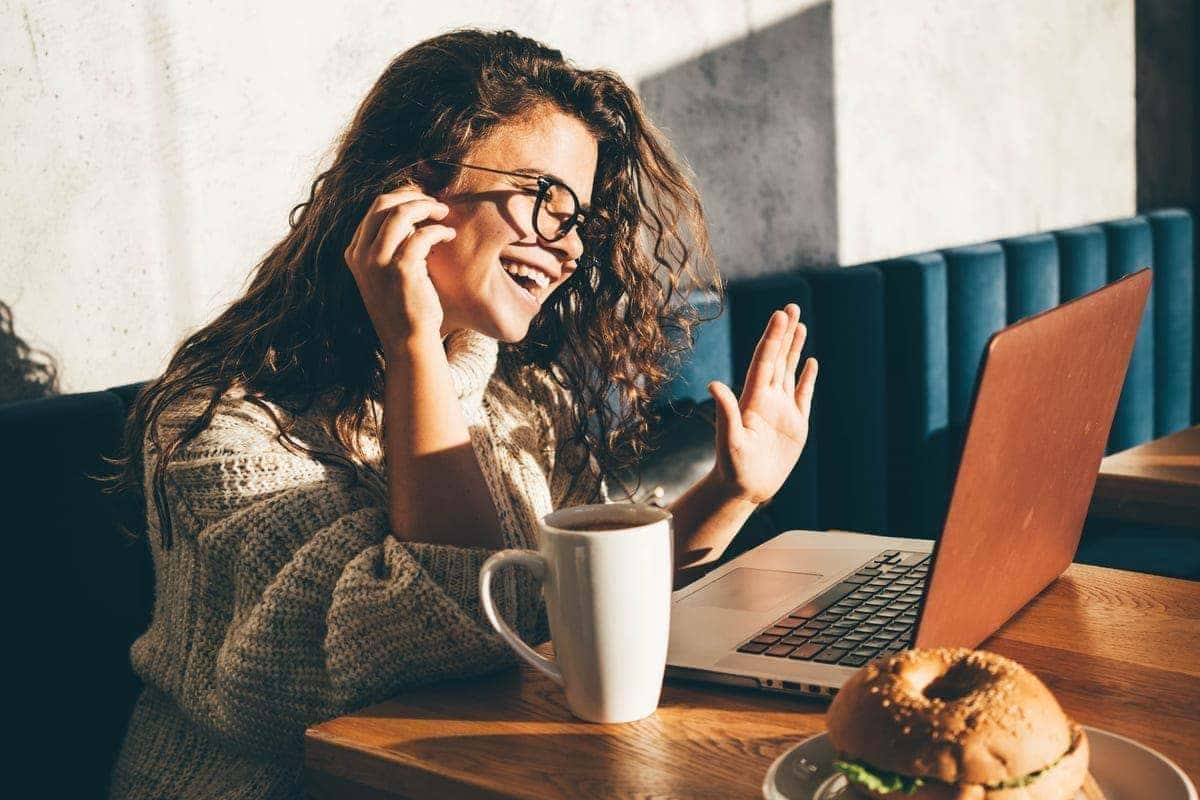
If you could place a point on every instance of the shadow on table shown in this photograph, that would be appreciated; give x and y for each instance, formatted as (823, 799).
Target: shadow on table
(641, 763)
(517, 695)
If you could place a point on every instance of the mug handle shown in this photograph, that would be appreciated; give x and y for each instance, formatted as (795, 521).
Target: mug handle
(537, 565)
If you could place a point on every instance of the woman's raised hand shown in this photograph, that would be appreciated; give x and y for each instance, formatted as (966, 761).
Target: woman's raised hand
(760, 437)
(388, 259)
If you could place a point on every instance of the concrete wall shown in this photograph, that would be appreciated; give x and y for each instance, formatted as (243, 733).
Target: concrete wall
(973, 119)
(152, 150)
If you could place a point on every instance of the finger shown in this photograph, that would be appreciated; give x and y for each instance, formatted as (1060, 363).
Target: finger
(401, 220)
(804, 390)
(729, 415)
(779, 375)
(416, 248)
(762, 365)
(377, 213)
(793, 356)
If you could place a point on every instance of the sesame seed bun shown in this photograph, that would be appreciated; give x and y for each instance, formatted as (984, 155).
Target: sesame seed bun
(963, 720)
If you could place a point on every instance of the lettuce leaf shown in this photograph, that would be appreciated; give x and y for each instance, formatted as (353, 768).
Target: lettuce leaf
(878, 780)
(884, 782)
(1025, 780)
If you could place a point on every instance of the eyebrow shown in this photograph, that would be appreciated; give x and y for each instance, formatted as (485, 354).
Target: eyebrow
(534, 172)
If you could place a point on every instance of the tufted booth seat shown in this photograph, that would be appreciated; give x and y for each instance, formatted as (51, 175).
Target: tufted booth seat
(80, 586)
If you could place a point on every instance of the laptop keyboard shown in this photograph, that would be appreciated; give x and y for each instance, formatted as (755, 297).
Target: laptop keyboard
(869, 614)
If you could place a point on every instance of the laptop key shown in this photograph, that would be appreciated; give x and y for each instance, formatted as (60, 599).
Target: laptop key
(776, 630)
(912, 559)
(807, 650)
(824, 600)
(830, 655)
(855, 636)
(765, 639)
(780, 650)
(856, 579)
(793, 640)
(853, 660)
(752, 647)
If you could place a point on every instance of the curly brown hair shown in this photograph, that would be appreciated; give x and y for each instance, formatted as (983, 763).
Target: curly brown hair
(25, 373)
(607, 336)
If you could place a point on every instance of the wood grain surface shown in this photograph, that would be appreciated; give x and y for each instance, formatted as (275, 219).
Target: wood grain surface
(1119, 649)
(1155, 483)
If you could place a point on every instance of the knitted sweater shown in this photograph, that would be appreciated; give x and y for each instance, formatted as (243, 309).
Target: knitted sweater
(284, 600)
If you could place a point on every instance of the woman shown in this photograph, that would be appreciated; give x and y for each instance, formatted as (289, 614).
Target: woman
(486, 192)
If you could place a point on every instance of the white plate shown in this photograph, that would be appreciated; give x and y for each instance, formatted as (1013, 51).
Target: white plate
(1124, 770)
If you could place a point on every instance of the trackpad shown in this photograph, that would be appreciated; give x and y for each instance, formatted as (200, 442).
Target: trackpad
(748, 589)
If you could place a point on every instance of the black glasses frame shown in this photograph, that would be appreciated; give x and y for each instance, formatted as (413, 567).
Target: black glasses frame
(544, 184)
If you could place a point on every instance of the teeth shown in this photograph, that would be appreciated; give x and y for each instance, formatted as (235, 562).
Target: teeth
(537, 276)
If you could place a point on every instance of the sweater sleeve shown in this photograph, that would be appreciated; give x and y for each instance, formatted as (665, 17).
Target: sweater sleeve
(308, 606)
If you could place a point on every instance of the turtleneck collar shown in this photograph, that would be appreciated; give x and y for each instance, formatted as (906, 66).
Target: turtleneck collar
(472, 358)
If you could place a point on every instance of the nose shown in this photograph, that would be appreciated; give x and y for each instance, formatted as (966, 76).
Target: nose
(567, 249)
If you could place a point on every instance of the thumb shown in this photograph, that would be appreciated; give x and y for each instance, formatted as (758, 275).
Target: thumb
(729, 415)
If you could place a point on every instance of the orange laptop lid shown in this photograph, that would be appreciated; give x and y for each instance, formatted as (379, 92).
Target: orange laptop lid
(1044, 402)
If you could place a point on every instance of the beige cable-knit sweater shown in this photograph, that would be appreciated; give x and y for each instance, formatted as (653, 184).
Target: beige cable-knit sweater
(284, 600)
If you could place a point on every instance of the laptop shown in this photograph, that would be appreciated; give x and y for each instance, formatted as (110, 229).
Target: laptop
(803, 611)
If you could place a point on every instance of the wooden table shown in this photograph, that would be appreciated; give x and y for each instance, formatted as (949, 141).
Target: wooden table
(1156, 483)
(1121, 651)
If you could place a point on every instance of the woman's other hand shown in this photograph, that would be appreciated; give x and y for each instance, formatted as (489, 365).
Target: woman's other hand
(760, 437)
(388, 259)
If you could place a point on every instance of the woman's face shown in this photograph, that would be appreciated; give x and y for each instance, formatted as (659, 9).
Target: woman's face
(493, 218)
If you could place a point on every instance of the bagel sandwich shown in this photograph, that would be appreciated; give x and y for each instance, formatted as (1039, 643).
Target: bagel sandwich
(954, 724)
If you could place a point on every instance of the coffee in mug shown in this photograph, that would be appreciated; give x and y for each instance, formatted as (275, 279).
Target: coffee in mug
(607, 574)
(596, 526)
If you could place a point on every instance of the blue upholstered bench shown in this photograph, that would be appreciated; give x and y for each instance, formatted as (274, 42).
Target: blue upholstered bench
(900, 343)
(81, 587)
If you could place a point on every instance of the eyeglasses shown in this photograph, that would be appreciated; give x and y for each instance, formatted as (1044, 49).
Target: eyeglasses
(556, 210)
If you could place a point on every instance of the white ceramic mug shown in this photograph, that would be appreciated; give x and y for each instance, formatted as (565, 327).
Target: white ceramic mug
(608, 598)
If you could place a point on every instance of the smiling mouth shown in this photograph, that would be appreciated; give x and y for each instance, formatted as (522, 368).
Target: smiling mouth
(528, 279)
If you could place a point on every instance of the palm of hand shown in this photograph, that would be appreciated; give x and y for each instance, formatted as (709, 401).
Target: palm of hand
(761, 436)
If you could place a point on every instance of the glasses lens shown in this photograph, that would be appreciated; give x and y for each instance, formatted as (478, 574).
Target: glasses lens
(556, 212)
